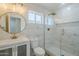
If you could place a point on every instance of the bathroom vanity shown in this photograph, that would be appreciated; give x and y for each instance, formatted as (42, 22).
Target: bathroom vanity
(14, 43)
(13, 23)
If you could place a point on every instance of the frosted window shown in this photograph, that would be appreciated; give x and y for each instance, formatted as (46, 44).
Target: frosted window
(50, 21)
(46, 20)
(38, 19)
(31, 17)
(35, 17)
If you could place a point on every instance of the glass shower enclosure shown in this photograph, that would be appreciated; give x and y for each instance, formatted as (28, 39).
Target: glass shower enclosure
(63, 39)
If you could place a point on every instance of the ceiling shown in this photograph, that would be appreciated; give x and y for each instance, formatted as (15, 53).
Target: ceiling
(52, 7)
(64, 12)
(4, 8)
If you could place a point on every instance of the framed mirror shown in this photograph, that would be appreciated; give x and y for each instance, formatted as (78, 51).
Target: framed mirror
(12, 23)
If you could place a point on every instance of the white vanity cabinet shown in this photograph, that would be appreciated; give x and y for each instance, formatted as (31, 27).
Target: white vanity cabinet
(14, 43)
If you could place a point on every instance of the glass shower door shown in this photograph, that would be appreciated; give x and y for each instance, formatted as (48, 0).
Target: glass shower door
(62, 40)
(70, 39)
(52, 41)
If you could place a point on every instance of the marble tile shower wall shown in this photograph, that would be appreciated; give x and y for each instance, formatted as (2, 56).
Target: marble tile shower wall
(35, 31)
(69, 38)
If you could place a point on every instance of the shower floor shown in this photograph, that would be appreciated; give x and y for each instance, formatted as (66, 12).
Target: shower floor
(54, 51)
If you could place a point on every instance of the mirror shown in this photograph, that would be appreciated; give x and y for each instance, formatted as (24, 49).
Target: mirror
(12, 23)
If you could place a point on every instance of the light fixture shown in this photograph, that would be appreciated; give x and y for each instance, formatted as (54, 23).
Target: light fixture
(4, 6)
(12, 8)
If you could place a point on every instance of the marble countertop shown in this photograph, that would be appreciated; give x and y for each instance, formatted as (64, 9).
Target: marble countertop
(10, 42)
(7, 42)
(5, 39)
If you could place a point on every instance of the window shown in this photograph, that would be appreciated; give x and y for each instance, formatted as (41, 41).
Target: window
(31, 17)
(46, 20)
(49, 20)
(34, 17)
(38, 19)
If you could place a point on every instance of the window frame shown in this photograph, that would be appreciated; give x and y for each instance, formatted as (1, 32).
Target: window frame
(35, 21)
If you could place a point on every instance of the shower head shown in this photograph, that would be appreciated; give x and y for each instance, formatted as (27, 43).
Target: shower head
(52, 14)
